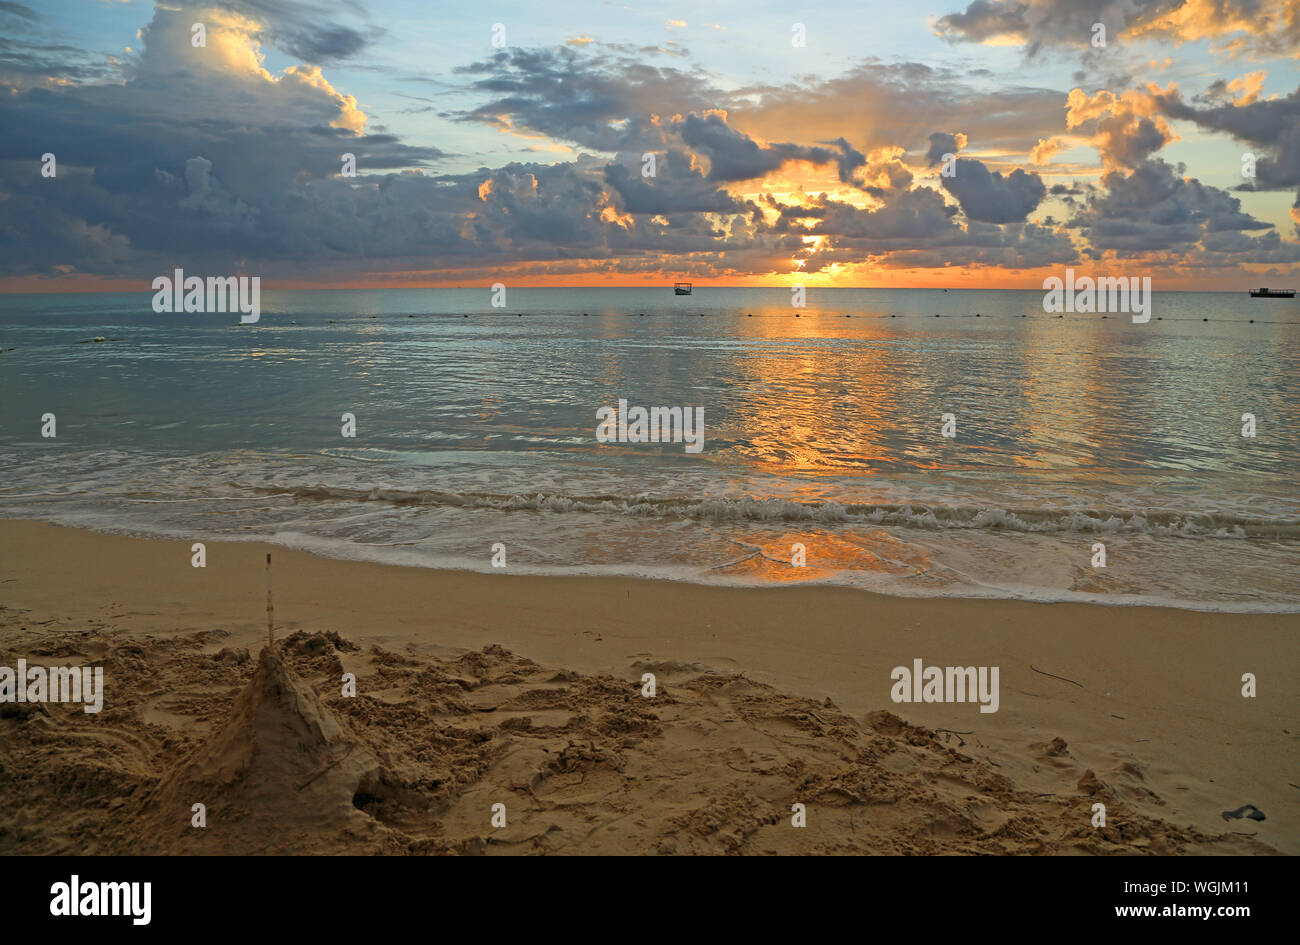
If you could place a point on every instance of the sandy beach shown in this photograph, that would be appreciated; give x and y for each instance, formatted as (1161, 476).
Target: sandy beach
(479, 689)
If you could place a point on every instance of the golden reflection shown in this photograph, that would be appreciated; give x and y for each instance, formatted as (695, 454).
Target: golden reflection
(808, 403)
(824, 554)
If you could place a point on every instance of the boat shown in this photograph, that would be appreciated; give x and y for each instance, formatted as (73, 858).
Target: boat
(1272, 293)
(681, 288)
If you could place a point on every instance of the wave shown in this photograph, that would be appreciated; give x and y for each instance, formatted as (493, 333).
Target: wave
(1160, 522)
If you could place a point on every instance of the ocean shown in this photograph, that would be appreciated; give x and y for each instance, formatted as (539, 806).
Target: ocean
(822, 431)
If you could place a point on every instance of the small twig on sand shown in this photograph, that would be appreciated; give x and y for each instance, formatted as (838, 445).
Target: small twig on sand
(270, 608)
(1054, 676)
(347, 751)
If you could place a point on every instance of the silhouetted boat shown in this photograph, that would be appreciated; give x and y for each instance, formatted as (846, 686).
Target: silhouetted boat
(1272, 293)
(682, 288)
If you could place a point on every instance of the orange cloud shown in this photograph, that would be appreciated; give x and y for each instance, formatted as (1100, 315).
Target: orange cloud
(1045, 150)
(1245, 89)
(1126, 128)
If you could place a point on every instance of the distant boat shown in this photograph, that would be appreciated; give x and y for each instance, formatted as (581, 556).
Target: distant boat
(1272, 293)
(681, 288)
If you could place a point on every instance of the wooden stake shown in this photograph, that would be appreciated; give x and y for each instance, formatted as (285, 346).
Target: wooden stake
(270, 608)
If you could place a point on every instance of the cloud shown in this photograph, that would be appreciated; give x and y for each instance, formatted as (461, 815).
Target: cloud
(941, 143)
(603, 101)
(735, 156)
(613, 102)
(1272, 126)
(1045, 150)
(1235, 26)
(917, 228)
(1243, 90)
(28, 58)
(1126, 129)
(678, 187)
(898, 104)
(1155, 210)
(197, 151)
(991, 197)
(306, 31)
(206, 158)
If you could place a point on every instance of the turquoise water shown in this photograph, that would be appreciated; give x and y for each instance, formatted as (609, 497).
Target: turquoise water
(820, 430)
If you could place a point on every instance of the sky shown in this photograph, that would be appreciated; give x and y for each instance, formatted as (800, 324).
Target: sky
(985, 144)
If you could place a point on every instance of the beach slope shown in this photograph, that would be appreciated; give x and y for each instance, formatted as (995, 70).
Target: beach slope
(474, 690)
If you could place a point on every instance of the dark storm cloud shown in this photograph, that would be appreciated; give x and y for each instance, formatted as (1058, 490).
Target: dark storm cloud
(991, 197)
(1272, 125)
(1137, 143)
(1155, 209)
(185, 156)
(734, 156)
(677, 187)
(941, 143)
(596, 101)
(614, 104)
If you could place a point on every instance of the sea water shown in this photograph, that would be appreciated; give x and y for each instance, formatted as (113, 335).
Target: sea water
(823, 435)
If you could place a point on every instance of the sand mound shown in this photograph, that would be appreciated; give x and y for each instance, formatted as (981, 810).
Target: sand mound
(276, 774)
(428, 750)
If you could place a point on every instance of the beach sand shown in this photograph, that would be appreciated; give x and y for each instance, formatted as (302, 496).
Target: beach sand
(483, 689)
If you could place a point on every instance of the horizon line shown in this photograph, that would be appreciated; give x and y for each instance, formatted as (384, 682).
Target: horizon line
(488, 288)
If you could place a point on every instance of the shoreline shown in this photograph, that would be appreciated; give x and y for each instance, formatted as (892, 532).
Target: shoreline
(332, 549)
(1147, 698)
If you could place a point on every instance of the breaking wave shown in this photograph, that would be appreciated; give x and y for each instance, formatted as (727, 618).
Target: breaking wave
(1159, 522)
